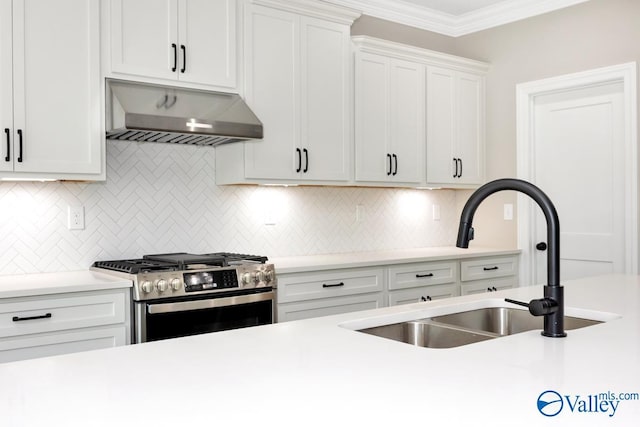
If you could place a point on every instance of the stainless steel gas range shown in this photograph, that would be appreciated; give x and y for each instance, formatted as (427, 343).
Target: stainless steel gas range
(182, 294)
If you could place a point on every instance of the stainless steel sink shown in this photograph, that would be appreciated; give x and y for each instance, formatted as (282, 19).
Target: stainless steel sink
(505, 321)
(425, 333)
(467, 327)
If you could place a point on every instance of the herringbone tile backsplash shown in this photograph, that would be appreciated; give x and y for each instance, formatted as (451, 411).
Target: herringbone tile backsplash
(162, 198)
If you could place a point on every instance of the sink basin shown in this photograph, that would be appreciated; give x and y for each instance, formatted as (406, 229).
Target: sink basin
(424, 333)
(467, 327)
(505, 321)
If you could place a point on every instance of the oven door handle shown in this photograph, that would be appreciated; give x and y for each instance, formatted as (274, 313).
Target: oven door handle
(203, 304)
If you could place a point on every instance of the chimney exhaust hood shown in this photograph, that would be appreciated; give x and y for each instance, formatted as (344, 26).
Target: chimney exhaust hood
(155, 113)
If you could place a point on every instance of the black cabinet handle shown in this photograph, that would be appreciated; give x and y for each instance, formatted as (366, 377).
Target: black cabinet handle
(20, 319)
(333, 285)
(19, 145)
(455, 164)
(490, 268)
(390, 164)
(460, 173)
(542, 246)
(306, 160)
(424, 275)
(8, 132)
(395, 162)
(183, 48)
(494, 289)
(489, 290)
(299, 168)
(427, 298)
(174, 47)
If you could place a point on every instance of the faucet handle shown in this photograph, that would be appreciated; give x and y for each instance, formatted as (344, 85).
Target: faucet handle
(538, 307)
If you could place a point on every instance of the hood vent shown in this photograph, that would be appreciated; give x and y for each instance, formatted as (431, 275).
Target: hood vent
(155, 113)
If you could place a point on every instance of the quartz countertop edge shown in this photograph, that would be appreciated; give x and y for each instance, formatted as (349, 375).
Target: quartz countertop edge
(24, 285)
(297, 264)
(321, 371)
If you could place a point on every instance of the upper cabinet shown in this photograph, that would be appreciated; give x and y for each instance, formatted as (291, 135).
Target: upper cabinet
(51, 103)
(455, 127)
(389, 120)
(297, 70)
(192, 41)
(417, 110)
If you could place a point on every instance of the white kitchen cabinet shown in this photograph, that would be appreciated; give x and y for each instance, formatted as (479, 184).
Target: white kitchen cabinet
(455, 128)
(389, 119)
(49, 325)
(315, 293)
(488, 274)
(50, 90)
(425, 281)
(298, 82)
(190, 41)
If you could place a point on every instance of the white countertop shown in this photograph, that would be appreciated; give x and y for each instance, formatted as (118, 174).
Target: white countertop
(297, 264)
(316, 372)
(23, 285)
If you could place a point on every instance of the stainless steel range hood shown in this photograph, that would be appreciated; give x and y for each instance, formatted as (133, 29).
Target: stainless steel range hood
(145, 112)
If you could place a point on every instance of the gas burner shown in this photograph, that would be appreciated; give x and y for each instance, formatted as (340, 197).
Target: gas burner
(186, 261)
(136, 266)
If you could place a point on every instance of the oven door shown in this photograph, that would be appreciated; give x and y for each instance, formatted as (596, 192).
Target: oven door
(157, 320)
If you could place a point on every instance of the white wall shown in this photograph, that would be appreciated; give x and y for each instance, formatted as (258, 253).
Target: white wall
(162, 198)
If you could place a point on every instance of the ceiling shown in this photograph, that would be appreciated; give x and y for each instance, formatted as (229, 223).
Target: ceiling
(455, 17)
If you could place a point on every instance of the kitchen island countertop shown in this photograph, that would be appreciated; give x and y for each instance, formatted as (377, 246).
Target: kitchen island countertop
(320, 372)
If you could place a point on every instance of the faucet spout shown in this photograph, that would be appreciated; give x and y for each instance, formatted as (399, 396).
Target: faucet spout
(553, 291)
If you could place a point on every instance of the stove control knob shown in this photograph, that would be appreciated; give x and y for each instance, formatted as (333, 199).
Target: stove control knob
(175, 284)
(146, 286)
(260, 276)
(248, 278)
(268, 275)
(161, 285)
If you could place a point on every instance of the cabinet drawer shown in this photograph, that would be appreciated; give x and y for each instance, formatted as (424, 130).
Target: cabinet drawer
(327, 307)
(327, 284)
(426, 293)
(423, 274)
(487, 268)
(56, 343)
(489, 285)
(32, 315)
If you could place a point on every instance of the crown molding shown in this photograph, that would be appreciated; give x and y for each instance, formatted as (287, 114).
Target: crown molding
(451, 25)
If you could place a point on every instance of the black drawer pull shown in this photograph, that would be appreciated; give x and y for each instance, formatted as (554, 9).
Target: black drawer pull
(183, 48)
(333, 285)
(8, 132)
(427, 298)
(490, 268)
(492, 289)
(424, 275)
(20, 319)
(19, 145)
(174, 47)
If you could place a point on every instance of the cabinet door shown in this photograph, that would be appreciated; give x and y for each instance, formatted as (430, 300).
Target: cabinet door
(373, 162)
(325, 118)
(407, 142)
(470, 128)
(425, 293)
(328, 307)
(6, 87)
(144, 37)
(207, 37)
(440, 125)
(272, 91)
(56, 72)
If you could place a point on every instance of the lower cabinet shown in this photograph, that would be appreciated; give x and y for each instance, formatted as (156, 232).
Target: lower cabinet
(322, 293)
(50, 325)
(489, 274)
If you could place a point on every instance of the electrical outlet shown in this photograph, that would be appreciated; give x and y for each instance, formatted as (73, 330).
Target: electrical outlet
(75, 217)
(508, 212)
(436, 212)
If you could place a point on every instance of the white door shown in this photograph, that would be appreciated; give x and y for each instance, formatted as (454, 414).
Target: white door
(469, 128)
(579, 163)
(440, 125)
(6, 87)
(577, 140)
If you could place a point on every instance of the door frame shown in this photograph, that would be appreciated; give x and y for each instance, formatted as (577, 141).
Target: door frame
(526, 94)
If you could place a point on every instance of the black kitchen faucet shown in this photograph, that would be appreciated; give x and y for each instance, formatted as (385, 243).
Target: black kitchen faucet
(552, 305)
